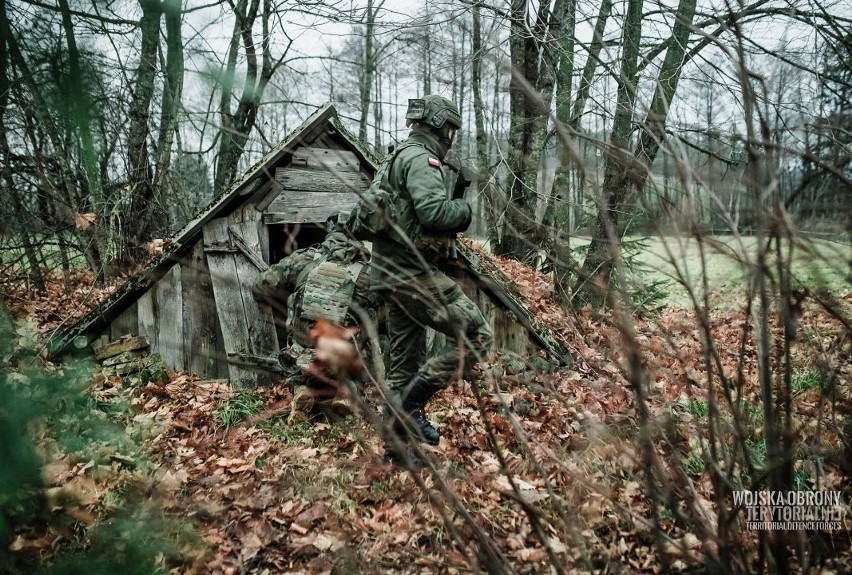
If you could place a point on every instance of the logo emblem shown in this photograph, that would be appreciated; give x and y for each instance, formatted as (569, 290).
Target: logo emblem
(435, 162)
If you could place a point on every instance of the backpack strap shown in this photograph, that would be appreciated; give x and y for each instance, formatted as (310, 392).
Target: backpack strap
(394, 234)
(388, 162)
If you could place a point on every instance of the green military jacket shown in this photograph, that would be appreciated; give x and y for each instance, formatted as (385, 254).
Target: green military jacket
(424, 211)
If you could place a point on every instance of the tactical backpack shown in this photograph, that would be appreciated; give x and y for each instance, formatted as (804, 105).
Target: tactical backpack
(327, 292)
(376, 212)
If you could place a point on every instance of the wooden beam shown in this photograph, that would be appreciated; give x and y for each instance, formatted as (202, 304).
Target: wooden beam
(242, 246)
(117, 347)
(304, 179)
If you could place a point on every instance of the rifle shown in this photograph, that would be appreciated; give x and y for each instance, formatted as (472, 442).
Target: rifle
(464, 177)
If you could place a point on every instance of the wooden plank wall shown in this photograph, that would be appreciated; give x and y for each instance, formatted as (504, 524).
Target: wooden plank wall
(170, 326)
(245, 328)
(125, 324)
(178, 315)
(203, 349)
(317, 183)
(161, 318)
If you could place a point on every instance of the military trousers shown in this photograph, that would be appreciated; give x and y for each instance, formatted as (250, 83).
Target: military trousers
(433, 301)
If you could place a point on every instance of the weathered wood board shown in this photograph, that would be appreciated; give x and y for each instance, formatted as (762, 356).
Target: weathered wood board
(148, 316)
(170, 326)
(125, 324)
(160, 312)
(117, 347)
(326, 159)
(203, 351)
(246, 329)
(317, 180)
(317, 183)
(261, 327)
(292, 207)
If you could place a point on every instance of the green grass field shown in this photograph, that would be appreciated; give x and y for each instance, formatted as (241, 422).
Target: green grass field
(725, 263)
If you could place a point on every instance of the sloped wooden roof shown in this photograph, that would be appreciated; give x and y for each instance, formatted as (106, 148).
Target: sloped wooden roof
(101, 316)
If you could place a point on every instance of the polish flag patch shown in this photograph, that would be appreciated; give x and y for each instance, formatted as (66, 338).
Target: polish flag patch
(435, 162)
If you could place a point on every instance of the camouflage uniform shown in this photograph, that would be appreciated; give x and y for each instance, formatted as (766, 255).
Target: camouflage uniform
(285, 281)
(416, 292)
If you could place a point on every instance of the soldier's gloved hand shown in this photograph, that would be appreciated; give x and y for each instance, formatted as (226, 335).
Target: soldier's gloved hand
(463, 180)
(468, 219)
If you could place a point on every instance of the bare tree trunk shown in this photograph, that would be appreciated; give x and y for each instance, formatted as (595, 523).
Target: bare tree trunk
(172, 90)
(236, 126)
(487, 191)
(561, 193)
(626, 173)
(519, 201)
(545, 51)
(591, 63)
(140, 172)
(654, 132)
(619, 169)
(534, 57)
(378, 116)
(366, 80)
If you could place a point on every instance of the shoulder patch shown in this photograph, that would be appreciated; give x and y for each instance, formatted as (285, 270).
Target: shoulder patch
(434, 162)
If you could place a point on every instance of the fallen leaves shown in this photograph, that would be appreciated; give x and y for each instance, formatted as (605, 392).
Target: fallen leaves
(266, 497)
(84, 221)
(67, 297)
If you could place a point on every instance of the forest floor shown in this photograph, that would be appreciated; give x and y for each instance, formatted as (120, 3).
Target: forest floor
(539, 468)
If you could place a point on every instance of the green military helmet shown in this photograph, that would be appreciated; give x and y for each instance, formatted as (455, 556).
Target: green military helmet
(434, 111)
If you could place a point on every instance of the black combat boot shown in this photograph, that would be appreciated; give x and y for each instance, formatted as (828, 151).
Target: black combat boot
(419, 392)
(398, 451)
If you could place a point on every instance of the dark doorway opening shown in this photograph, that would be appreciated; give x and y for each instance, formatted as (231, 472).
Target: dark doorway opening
(284, 239)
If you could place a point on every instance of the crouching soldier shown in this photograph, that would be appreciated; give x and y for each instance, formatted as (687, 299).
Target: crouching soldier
(330, 281)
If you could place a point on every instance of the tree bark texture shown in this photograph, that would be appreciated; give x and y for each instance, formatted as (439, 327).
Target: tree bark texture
(366, 80)
(236, 125)
(534, 57)
(619, 169)
(519, 200)
(487, 191)
(172, 91)
(140, 173)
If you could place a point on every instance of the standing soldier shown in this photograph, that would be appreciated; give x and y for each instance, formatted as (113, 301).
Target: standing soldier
(330, 280)
(407, 272)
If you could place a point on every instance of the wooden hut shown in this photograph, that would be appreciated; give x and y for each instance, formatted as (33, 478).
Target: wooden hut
(193, 306)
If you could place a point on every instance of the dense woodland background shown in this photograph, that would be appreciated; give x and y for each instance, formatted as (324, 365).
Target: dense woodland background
(684, 167)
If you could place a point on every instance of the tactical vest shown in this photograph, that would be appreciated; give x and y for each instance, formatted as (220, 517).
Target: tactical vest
(327, 291)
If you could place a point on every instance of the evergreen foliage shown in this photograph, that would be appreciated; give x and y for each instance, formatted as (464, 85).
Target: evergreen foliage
(37, 408)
